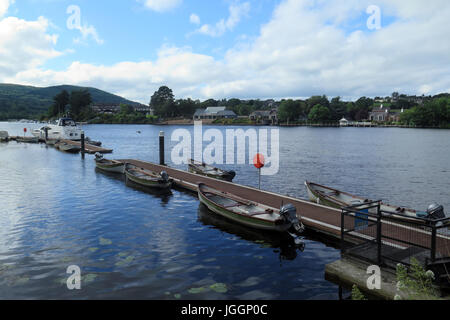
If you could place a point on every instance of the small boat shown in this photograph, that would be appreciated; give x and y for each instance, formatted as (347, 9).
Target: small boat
(337, 199)
(51, 142)
(249, 213)
(93, 142)
(113, 166)
(28, 139)
(148, 178)
(66, 147)
(210, 171)
(4, 136)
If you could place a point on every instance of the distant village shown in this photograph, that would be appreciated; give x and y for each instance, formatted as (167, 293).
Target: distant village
(367, 112)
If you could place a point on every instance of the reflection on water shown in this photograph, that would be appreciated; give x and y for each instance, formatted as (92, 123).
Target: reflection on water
(282, 244)
(57, 210)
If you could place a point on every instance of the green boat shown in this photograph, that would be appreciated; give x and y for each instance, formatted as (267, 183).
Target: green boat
(148, 178)
(67, 147)
(112, 166)
(248, 213)
(338, 199)
(210, 171)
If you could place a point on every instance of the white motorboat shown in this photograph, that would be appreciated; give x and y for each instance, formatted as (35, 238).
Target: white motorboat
(65, 129)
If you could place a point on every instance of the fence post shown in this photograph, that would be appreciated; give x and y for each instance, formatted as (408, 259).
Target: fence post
(433, 241)
(342, 230)
(379, 234)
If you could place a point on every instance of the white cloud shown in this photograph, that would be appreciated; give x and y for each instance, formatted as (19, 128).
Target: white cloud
(303, 50)
(162, 5)
(25, 45)
(4, 5)
(237, 12)
(195, 19)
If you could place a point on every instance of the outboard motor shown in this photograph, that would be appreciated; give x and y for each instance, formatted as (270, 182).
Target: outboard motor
(289, 214)
(164, 176)
(435, 211)
(98, 156)
(232, 174)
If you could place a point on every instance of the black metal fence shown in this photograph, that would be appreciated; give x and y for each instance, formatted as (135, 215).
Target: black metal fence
(385, 238)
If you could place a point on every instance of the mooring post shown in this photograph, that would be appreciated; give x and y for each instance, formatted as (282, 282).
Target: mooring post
(83, 148)
(379, 235)
(161, 149)
(46, 133)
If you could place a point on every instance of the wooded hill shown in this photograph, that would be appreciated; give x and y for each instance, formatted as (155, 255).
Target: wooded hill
(17, 101)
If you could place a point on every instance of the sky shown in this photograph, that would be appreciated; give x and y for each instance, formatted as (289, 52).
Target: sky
(247, 49)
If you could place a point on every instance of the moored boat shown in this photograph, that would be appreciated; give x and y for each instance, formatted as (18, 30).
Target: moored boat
(66, 128)
(51, 142)
(4, 136)
(113, 166)
(338, 199)
(249, 213)
(148, 178)
(67, 147)
(27, 139)
(210, 171)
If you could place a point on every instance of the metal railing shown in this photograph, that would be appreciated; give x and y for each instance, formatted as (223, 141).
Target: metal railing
(388, 238)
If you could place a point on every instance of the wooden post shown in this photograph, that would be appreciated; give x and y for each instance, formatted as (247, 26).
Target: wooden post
(83, 148)
(161, 149)
(46, 133)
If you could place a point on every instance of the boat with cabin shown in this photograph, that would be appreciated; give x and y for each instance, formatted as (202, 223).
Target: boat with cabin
(64, 129)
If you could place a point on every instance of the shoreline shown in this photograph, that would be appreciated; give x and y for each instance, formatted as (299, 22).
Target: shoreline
(191, 123)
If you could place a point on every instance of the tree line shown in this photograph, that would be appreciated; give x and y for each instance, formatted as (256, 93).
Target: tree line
(417, 111)
(420, 111)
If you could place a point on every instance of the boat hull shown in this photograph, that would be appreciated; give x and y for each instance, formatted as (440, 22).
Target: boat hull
(320, 198)
(110, 166)
(69, 148)
(148, 181)
(27, 139)
(248, 221)
(225, 177)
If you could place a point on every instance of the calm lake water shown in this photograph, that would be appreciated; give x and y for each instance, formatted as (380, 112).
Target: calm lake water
(57, 211)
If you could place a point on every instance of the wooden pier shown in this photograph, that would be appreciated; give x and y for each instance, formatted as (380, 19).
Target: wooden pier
(316, 217)
(89, 148)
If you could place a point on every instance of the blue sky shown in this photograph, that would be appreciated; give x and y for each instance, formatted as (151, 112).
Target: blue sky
(133, 32)
(229, 48)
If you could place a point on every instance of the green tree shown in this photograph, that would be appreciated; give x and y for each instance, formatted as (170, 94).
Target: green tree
(290, 110)
(163, 102)
(209, 103)
(319, 114)
(338, 109)
(245, 109)
(315, 100)
(79, 104)
(126, 109)
(60, 101)
(186, 107)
